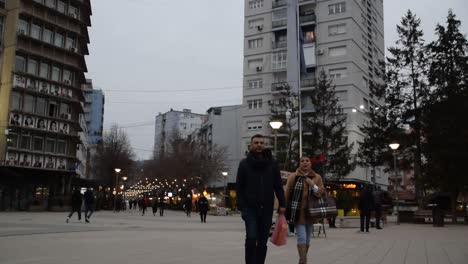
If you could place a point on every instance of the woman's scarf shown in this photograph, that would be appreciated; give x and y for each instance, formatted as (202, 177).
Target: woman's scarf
(296, 195)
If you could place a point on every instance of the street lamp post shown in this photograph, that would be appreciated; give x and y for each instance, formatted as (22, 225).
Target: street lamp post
(276, 125)
(117, 170)
(225, 174)
(394, 147)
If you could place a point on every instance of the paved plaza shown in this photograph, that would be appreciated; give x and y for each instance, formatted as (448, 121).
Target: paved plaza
(131, 238)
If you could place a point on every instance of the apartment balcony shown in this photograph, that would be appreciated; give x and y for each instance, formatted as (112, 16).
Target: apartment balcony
(279, 3)
(279, 44)
(279, 23)
(308, 83)
(307, 18)
(279, 87)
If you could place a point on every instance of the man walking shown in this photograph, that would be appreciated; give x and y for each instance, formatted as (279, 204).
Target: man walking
(366, 203)
(89, 204)
(258, 178)
(76, 201)
(378, 197)
(203, 207)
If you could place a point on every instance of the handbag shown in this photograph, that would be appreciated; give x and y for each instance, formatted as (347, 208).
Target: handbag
(278, 237)
(322, 207)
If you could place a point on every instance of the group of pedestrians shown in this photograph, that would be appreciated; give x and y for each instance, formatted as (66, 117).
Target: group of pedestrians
(77, 200)
(371, 200)
(258, 181)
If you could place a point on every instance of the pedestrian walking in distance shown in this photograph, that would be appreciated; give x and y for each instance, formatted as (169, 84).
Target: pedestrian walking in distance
(378, 199)
(144, 204)
(188, 205)
(76, 201)
(299, 186)
(155, 206)
(162, 206)
(366, 203)
(89, 204)
(258, 179)
(203, 208)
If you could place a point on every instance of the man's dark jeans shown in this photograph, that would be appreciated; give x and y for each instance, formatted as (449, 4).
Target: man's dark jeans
(365, 216)
(257, 227)
(378, 216)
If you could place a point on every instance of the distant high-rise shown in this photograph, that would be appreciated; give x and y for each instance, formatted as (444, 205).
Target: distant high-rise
(174, 124)
(343, 37)
(44, 43)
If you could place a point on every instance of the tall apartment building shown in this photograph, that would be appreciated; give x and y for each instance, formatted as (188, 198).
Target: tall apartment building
(41, 99)
(343, 37)
(222, 128)
(94, 117)
(174, 124)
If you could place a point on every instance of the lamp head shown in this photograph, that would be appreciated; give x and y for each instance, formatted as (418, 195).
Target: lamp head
(394, 146)
(117, 170)
(276, 124)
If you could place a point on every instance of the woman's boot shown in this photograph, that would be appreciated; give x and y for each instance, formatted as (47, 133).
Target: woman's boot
(302, 250)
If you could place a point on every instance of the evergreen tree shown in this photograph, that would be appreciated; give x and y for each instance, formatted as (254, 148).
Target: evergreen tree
(445, 129)
(407, 91)
(325, 130)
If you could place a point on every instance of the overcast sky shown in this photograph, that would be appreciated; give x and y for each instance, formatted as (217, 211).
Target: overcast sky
(138, 46)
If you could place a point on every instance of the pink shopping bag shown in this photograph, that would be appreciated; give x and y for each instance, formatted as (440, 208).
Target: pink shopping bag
(279, 234)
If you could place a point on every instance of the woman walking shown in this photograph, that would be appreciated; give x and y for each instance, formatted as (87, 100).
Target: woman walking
(203, 207)
(299, 186)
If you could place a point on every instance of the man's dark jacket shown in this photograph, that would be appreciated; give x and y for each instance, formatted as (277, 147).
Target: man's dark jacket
(258, 178)
(89, 198)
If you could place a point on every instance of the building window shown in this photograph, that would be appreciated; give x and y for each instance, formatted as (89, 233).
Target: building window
(38, 144)
(52, 109)
(50, 3)
(255, 4)
(255, 64)
(255, 22)
(61, 6)
(15, 103)
(255, 43)
(67, 77)
(50, 145)
(58, 40)
(44, 71)
(40, 106)
(255, 84)
(20, 64)
(337, 51)
(12, 140)
(254, 125)
(337, 8)
(255, 104)
(336, 29)
(55, 73)
(61, 146)
(28, 104)
(64, 110)
(23, 26)
(32, 66)
(183, 126)
(365, 83)
(70, 43)
(338, 73)
(279, 15)
(25, 142)
(48, 36)
(36, 31)
(341, 95)
(309, 36)
(279, 60)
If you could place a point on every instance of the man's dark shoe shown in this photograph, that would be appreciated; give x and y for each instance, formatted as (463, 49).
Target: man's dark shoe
(379, 227)
(86, 220)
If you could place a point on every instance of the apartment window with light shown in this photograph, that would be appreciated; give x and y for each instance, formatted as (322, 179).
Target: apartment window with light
(337, 8)
(20, 64)
(255, 84)
(12, 140)
(338, 73)
(47, 36)
(336, 29)
(255, 43)
(44, 70)
(279, 60)
(337, 51)
(254, 104)
(255, 4)
(36, 31)
(32, 66)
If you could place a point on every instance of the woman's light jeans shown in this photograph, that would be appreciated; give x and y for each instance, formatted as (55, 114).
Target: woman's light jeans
(304, 233)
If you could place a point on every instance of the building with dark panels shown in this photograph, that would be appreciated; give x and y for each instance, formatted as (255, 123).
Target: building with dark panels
(42, 70)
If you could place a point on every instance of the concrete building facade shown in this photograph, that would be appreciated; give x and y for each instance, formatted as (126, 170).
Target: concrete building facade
(222, 129)
(174, 124)
(42, 68)
(345, 38)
